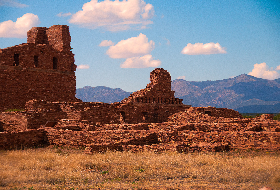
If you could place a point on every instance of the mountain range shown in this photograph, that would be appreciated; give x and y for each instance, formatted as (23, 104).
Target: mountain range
(244, 93)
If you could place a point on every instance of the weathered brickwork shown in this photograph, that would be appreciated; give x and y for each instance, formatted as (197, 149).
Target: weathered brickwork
(13, 122)
(130, 110)
(39, 76)
(157, 91)
(43, 68)
(23, 139)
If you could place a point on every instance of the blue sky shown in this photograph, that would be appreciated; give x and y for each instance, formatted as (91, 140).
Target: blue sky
(118, 43)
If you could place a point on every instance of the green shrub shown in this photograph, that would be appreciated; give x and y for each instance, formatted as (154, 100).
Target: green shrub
(277, 117)
(13, 110)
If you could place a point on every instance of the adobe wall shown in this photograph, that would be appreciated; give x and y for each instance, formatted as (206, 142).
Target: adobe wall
(41, 69)
(13, 122)
(157, 91)
(218, 112)
(40, 112)
(24, 139)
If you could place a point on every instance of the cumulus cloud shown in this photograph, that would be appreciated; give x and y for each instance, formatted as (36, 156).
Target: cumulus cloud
(141, 62)
(114, 15)
(206, 49)
(136, 51)
(132, 47)
(181, 77)
(83, 67)
(63, 14)
(263, 71)
(18, 29)
(106, 43)
(12, 3)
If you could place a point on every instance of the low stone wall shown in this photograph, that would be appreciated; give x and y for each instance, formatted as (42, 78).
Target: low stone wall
(13, 122)
(24, 139)
(186, 131)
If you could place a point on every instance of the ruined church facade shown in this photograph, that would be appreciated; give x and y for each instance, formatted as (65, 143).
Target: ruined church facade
(39, 77)
(42, 69)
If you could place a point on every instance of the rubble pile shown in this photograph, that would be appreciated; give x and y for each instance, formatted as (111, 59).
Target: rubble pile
(186, 131)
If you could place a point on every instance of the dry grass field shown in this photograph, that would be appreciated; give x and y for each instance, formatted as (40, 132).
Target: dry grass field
(62, 168)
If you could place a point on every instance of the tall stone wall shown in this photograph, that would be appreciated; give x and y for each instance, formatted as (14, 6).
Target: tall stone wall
(43, 68)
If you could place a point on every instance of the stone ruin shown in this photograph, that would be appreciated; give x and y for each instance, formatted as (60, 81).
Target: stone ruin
(39, 76)
(157, 91)
(43, 68)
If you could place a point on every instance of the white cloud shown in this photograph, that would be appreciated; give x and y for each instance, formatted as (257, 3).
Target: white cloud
(106, 43)
(132, 47)
(18, 29)
(200, 48)
(114, 15)
(12, 3)
(181, 77)
(63, 14)
(263, 71)
(83, 67)
(141, 62)
(135, 50)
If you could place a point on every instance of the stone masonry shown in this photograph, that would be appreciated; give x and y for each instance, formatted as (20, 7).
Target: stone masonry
(39, 77)
(157, 91)
(43, 68)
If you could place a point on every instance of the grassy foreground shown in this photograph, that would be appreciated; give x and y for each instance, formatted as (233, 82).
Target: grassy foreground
(57, 168)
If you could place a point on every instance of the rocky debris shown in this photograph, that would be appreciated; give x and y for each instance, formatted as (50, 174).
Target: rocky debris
(182, 134)
(186, 131)
(266, 188)
(264, 117)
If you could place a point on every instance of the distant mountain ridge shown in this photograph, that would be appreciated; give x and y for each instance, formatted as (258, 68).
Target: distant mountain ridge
(244, 93)
(101, 94)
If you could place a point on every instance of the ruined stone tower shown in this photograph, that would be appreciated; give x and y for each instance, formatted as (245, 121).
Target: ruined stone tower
(43, 68)
(157, 91)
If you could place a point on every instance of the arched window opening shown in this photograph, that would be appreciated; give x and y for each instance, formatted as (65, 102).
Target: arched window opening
(55, 63)
(16, 59)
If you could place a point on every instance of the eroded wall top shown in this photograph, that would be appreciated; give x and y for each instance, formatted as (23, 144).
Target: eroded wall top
(157, 91)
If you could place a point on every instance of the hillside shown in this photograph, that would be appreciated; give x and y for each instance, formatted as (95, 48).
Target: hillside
(101, 94)
(244, 93)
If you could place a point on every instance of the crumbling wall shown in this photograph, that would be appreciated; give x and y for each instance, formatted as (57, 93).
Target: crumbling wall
(40, 112)
(13, 122)
(218, 112)
(24, 139)
(41, 69)
(157, 91)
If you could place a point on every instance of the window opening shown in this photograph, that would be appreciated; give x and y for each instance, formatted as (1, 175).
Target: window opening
(16, 59)
(122, 116)
(208, 112)
(54, 63)
(36, 61)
